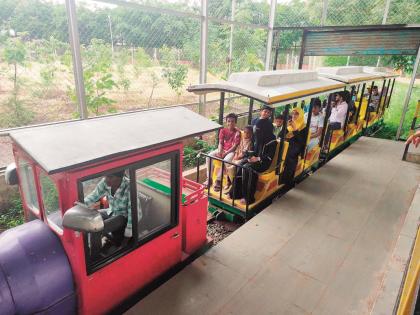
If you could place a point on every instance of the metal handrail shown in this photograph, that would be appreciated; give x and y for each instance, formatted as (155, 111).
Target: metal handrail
(412, 128)
(247, 169)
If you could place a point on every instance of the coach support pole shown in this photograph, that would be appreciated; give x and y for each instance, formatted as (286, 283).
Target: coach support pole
(408, 95)
(77, 59)
(270, 34)
(203, 53)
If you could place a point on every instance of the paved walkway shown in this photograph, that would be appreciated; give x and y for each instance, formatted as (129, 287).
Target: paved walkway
(326, 247)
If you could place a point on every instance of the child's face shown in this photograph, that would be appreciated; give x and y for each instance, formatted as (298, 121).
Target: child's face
(278, 122)
(247, 134)
(265, 114)
(230, 123)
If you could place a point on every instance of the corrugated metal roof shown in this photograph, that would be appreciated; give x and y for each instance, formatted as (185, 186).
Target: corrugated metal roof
(366, 42)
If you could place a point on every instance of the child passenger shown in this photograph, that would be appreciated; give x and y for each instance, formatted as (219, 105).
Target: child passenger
(240, 153)
(278, 125)
(229, 139)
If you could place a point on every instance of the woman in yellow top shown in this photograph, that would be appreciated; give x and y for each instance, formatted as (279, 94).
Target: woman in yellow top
(297, 141)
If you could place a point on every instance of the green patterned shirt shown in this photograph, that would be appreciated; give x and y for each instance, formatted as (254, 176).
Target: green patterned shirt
(119, 203)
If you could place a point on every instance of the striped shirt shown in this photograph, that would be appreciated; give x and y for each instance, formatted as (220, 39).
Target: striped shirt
(119, 203)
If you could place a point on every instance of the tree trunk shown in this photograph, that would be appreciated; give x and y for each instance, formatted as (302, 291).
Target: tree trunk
(150, 98)
(15, 77)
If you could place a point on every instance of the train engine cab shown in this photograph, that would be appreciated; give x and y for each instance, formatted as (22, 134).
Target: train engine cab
(108, 210)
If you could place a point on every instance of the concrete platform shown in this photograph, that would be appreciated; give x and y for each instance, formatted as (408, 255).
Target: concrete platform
(329, 246)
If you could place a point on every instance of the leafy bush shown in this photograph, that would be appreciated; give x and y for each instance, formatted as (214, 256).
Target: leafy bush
(17, 113)
(191, 152)
(13, 216)
(142, 58)
(176, 77)
(392, 114)
(404, 63)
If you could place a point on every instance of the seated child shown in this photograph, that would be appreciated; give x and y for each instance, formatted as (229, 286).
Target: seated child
(244, 146)
(229, 139)
(278, 125)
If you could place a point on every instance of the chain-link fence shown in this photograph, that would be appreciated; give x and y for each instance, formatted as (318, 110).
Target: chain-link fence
(36, 74)
(143, 59)
(138, 54)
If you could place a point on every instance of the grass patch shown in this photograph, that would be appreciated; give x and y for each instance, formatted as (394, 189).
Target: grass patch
(13, 216)
(393, 113)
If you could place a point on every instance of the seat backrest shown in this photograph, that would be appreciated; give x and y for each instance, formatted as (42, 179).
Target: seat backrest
(275, 159)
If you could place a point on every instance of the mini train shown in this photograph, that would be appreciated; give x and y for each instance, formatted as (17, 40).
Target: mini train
(283, 91)
(107, 208)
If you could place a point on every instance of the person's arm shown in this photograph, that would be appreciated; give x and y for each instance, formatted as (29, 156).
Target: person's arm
(267, 154)
(414, 139)
(238, 153)
(129, 227)
(320, 126)
(221, 141)
(97, 193)
(319, 132)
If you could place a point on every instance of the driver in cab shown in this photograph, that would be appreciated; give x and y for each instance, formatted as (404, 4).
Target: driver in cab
(115, 188)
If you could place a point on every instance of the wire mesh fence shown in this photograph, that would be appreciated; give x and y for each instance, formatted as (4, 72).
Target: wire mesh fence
(143, 60)
(139, 55)
(355, 12)
(36, 71)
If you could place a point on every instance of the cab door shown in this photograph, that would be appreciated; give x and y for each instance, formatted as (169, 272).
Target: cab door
(152, 240)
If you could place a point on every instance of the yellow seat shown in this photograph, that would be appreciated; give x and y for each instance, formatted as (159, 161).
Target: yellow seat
(351, 130)
(299, 167)
(312, 157)
(337, 139)
(363, 109)
(373, 117)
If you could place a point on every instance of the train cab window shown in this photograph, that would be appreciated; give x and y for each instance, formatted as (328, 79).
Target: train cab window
(50, 202)
(27, 179)
(110, 195)
(155, 183)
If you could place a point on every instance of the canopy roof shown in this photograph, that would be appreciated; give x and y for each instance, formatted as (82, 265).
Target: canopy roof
(347, 74)
(73, 144)
(271, 86)
(381, 71)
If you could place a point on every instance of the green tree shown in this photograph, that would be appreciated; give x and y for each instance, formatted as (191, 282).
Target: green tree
(176, 77)
(403, 63)
(97, 74)
(14, 54)
(122, 60)
(155, 82)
